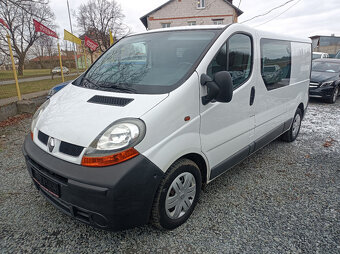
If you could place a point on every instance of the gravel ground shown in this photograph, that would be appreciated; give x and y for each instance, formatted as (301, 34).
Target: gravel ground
(283, 199)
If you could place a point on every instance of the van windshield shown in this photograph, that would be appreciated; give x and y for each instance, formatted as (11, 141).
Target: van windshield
(326, 67)
(148, 63)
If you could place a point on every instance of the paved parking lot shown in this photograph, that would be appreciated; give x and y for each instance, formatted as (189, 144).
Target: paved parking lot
(283, 199)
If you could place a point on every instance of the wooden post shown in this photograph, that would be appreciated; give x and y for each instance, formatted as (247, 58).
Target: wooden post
(61, 64)
(13, 66)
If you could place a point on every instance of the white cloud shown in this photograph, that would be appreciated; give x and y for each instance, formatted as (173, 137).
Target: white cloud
(306, 18)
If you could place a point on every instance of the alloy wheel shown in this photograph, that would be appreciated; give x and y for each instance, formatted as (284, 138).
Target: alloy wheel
(335, 93)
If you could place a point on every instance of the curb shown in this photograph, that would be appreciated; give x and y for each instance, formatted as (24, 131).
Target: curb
(28, 105)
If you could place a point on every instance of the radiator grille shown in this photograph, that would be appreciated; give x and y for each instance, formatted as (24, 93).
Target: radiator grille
(43, 137)
(66, 148)
(70, 149)
(312, 84)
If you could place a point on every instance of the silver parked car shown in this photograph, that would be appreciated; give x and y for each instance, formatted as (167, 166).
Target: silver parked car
(57, 71)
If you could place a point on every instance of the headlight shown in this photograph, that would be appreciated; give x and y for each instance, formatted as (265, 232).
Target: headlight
(327, 83)
(37, 114)
(115, 144)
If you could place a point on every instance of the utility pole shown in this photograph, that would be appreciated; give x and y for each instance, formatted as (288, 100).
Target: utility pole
(74, 51)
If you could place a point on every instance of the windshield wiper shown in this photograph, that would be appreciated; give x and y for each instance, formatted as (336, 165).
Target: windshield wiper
(121, 87)
(90, 82)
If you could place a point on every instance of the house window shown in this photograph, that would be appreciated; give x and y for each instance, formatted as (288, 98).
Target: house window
(201, 4)
(191, 23)
(218, 21)
(165, 25)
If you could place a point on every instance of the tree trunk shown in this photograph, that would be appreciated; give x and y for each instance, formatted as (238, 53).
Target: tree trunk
(21, 65)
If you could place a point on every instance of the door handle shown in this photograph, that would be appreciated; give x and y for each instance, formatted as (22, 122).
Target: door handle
(252, 96)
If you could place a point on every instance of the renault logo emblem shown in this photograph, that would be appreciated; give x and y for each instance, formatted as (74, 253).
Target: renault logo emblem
(51, 144)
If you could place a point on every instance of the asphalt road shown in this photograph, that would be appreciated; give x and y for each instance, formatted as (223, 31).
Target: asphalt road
(283, 199)
(8, 82)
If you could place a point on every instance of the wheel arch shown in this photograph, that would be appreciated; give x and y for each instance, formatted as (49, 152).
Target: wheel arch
(302, 108)
(201, 163)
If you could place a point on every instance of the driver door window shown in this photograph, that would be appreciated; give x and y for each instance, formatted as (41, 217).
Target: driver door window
(235, 56)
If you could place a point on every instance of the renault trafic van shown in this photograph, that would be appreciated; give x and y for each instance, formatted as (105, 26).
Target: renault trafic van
(159, 115)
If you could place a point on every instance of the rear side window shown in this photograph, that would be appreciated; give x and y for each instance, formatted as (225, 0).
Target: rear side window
(276, 62)
(235, 56)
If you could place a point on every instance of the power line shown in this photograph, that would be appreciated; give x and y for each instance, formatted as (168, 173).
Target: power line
(239, 4)
(277, 7)
(279, 14)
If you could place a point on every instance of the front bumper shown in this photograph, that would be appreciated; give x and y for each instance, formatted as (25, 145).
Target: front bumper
(114, 197)
(321, 92)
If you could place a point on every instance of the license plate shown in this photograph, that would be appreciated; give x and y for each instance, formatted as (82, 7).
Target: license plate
(45, 183)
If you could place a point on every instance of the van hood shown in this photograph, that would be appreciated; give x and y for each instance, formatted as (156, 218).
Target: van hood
(71, 118)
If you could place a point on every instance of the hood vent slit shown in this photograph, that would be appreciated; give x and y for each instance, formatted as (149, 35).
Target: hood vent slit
(107, 100)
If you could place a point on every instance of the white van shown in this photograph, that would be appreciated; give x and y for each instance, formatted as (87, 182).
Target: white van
(159, 115)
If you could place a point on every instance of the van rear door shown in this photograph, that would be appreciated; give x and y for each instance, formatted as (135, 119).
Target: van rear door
(273, 91)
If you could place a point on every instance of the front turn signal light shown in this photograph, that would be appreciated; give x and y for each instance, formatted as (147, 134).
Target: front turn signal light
(109, 159)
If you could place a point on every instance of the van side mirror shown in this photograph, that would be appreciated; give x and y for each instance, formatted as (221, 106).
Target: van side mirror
(220, 88)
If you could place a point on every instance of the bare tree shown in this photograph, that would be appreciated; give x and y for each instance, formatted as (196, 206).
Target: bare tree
(3, 59)
(44, 46)
(97, 17)
(25, 4)
(21, 28)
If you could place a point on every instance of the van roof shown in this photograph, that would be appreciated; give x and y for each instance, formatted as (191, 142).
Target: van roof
(270, 35)
(319, 53)
(181, 28)
(260, 33)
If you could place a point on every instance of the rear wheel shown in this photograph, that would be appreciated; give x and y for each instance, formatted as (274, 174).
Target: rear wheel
(177, 195)
(334, 95)
(293, 132)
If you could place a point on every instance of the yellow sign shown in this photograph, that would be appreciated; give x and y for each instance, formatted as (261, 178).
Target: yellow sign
(70, 37)
(111, 38)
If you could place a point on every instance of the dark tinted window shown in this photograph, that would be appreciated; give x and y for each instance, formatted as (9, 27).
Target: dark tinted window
(275, 63)
(235, 56)
(337, 55)
(316, 56)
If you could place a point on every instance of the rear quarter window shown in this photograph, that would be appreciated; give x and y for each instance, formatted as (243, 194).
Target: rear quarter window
(276, 62)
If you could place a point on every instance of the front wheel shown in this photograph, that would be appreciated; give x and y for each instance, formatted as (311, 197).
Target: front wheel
(293, 132)
(177, 195)
(334, 95)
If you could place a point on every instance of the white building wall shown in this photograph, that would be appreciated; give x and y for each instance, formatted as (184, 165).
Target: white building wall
(180, 12)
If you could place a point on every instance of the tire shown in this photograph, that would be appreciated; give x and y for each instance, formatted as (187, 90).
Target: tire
(183, 180)
(293, 132)
(334, 95)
